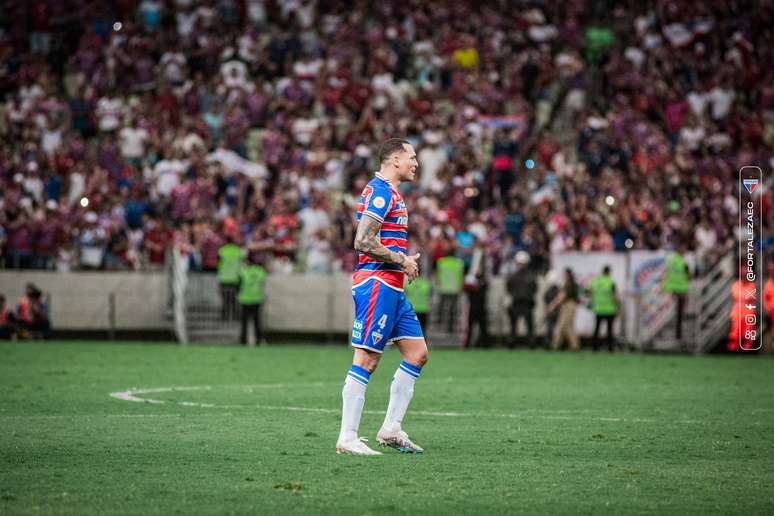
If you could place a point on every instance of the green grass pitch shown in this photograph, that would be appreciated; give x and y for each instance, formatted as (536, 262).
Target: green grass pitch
(252, 431)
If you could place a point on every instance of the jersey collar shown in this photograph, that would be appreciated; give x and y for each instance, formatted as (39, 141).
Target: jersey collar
(380, 176)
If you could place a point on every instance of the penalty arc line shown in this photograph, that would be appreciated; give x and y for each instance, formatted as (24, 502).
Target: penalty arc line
(132, 395)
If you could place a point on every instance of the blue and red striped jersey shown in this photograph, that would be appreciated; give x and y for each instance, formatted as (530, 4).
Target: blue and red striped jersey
(383, 202)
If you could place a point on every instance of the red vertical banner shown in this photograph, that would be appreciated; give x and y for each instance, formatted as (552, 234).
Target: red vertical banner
(747, 315)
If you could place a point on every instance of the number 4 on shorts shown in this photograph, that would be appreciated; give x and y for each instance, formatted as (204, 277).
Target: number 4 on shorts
(382, 321)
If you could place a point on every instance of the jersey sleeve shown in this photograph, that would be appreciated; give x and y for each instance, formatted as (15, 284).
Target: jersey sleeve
(378, 203)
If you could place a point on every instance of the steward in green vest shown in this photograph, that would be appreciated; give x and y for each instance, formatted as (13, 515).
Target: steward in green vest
(449, 278)
(677, 281)
(229, 263)
(604, 304)
(251, 280)
(419, 293)
(450, 274)
(603, 296)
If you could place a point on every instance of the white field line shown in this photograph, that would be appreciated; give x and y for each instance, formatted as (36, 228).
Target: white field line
(133, 395)
(81, 416)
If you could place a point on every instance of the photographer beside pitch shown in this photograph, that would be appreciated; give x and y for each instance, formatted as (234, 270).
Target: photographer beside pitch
(382, 311)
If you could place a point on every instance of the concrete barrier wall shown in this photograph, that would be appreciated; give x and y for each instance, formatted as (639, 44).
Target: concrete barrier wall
(309, 303)
(294, 303)
(321, 303)
(81, 300)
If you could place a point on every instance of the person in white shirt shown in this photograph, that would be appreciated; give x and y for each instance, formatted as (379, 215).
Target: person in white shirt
(77, 186)
(32, 182)
(318, 259)
(186, 18)
(233, 71)
(173, 66)
(304, 10)
(132, 141)
(109, 111)
(721, 100)
(433, 158)
(249, 50)
(697, 100)
(51, 137)
(167, 173)
(28, 94)
(303, 129)
(692, 134)
(256, 11)
(707, 240)
(313, 218)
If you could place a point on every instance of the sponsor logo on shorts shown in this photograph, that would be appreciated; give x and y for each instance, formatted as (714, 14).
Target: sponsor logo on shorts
(358, 325)
(357, 335)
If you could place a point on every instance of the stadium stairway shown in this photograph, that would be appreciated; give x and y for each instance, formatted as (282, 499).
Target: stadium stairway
(203, 319)
(706, 318)
(204, 324)
(713, 301)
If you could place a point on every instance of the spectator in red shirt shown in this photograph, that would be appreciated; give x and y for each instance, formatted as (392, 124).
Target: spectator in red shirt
(7, 320)
(157, 239)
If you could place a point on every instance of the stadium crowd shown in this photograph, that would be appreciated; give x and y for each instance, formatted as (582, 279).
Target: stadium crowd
(539, 126)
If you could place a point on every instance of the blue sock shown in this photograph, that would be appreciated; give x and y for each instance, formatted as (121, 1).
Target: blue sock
(359, 374)
(410, 369)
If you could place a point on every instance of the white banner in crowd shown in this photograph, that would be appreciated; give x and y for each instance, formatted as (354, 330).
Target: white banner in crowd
(647, 270)
(233, 162)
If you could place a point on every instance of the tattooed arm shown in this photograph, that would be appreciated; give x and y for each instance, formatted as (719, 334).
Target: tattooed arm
(367, 241)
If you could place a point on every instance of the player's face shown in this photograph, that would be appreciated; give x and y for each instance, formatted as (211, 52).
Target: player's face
(407, 163)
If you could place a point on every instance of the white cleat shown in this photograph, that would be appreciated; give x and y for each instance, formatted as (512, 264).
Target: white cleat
(354, 447)
(398, 440)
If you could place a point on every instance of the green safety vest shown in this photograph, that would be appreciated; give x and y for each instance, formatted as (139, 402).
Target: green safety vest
(676, 281)
(450, 274)
(251, 285)
(229, 263)
(418, 294)
(603, 296)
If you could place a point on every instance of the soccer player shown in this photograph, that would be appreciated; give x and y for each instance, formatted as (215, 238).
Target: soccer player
(382, 312)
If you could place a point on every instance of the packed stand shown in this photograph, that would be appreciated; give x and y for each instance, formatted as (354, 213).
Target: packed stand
(540, 127)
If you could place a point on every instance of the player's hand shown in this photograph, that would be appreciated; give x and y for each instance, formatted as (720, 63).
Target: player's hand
(410, 266)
